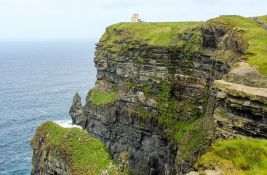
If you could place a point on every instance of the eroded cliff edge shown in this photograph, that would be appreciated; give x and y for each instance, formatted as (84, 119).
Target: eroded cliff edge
(166, 91)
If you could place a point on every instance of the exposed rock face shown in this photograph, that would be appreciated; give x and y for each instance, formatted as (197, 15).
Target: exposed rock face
(241, 110)
(240, 107)
(122, 127)
(48, 160)
(168, 103)
(76, 111)
(123, 131)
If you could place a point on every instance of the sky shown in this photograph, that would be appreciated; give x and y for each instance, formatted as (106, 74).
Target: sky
(70, 19)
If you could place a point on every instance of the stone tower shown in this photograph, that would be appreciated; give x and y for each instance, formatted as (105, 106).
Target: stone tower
(135, 18)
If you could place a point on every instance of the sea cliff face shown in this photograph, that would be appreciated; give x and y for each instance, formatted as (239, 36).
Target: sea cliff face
(166, 91)
(170, 95)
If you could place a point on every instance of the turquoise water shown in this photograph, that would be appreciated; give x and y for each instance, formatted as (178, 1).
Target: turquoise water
(37, 83)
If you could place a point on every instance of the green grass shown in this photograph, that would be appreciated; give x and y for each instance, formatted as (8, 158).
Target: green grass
(102, 97)
(236, 156)
(256, 38)
(155, 34)
(85, 154)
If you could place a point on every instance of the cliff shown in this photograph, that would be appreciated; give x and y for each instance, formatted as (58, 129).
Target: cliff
(166, 91)
(58, 150)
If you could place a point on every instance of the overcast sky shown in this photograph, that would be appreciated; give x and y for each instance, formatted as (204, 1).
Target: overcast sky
(52, 19)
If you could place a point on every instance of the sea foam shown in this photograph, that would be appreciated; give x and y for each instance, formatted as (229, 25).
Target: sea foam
(67, 124)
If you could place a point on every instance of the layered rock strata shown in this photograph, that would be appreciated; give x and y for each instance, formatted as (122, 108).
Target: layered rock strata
(241, 110)
(49, 162)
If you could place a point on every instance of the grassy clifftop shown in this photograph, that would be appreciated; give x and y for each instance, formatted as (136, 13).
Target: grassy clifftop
(164, 34)
(85, 154)
(187, 36)
(237, 156)
(256, 36)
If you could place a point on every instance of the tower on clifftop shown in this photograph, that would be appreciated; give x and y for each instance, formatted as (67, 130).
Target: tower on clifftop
(135, 18)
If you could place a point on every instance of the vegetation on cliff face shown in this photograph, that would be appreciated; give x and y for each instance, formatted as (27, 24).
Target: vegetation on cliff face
(256, 36)
(182, 121)
(85, 154)
(102, 97)
(236, 156)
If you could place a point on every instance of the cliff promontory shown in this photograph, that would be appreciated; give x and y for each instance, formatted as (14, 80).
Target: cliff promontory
(166, 91)
(67, 151)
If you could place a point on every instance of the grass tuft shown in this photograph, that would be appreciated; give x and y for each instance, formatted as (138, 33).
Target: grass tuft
(102, 97)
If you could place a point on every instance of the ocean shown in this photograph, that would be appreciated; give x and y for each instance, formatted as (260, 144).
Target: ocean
(37, 83)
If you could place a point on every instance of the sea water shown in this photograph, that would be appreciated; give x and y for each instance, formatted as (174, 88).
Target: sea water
(37, 83)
